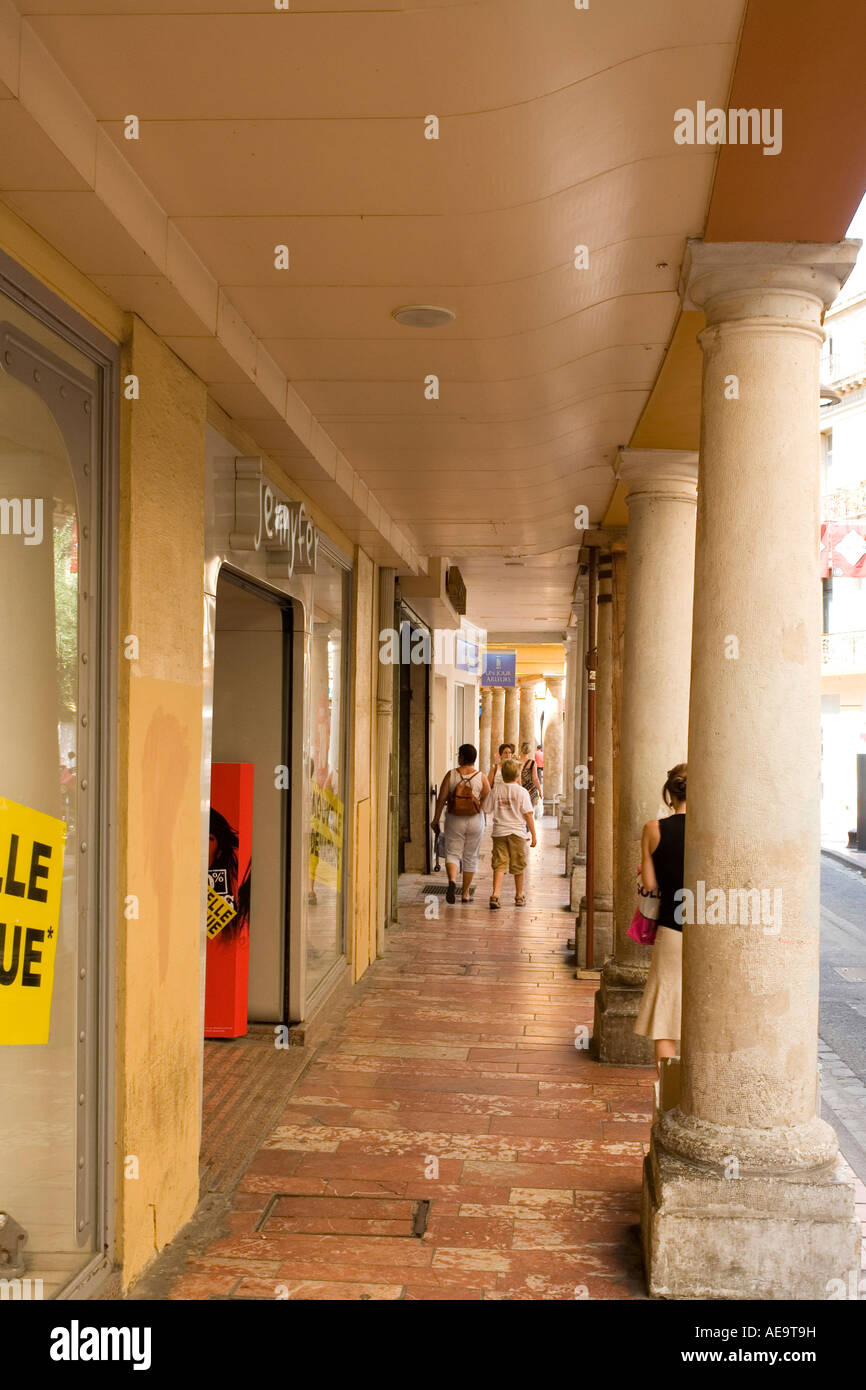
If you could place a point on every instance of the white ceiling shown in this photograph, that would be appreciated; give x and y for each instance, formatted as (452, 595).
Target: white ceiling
(307, 128)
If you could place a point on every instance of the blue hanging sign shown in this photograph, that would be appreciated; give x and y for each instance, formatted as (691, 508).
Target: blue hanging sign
(500, 668)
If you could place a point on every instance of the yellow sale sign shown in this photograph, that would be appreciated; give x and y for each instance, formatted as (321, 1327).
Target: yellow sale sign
(31, 879)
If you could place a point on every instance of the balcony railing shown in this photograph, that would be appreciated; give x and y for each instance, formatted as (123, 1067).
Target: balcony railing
(844, 651)
(845, 503)
(841, 366)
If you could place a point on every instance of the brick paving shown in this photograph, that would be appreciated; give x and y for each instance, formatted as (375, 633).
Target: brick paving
(454, 1081)
(448, 1140)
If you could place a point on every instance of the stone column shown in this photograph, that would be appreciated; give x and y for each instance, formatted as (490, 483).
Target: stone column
(497, 722)
(551, 786)
(573, 643)
(602, 886)
(661, 492)
(743, 1193)
(484, 757)
(575, 848)
(526, 731)
(511, 719)
(584, 731)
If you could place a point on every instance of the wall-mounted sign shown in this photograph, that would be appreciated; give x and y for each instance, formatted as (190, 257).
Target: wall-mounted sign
(266, 519)
(467, 655)
(500, 668)
(456, 589)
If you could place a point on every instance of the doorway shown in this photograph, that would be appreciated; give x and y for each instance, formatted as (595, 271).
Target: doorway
(414, 764)
(252, 724)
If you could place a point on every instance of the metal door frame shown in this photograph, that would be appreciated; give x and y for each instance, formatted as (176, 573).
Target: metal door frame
(101, 573)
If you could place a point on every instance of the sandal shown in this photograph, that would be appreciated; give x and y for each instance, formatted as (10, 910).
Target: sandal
(451, 892)
(466, 900)
(520, 902)
(495, 904)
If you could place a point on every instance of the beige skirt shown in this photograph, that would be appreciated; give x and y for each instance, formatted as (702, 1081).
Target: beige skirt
(659, 1015)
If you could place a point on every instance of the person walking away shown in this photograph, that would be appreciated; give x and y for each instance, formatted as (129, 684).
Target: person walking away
(539, 760)
(529, 774)
(663, 846)
(506, 750)
(461, 797)
(513, 824)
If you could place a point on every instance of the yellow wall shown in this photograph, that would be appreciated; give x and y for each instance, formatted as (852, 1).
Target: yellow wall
(162, 472)
(546, 659)
(159, 730)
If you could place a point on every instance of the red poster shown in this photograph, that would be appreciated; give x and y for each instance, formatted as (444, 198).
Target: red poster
(843, 549)
(228, 900)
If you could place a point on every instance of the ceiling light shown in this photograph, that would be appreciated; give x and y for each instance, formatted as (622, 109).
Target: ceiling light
(423, 315)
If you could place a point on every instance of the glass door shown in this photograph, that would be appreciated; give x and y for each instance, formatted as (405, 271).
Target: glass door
(49, 465)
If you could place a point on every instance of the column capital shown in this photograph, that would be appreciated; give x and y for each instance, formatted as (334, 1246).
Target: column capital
(744, 279)
(670, 473)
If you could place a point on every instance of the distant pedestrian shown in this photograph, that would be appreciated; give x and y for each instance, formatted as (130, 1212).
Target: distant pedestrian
(529, 774)
(662, 869)
(539, 760)
(461, 797)
(506, 750)
(513, 825)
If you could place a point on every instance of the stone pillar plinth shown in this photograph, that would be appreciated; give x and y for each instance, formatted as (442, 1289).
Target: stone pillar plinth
(526, 733)
(743, 1195)
(511, 717)
(602, 886)
(661, 492)
(484, 727)
(497, 721)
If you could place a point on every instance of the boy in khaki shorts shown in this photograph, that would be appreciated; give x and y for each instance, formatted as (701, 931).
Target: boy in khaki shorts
(513, 824)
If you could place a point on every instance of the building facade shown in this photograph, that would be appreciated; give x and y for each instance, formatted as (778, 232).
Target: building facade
(843, 515)
(175, 601)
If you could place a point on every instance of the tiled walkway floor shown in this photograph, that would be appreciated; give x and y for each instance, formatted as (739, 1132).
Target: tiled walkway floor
(453, 1081)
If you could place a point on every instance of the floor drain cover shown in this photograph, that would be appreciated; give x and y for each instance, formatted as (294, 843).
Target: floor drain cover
(344, 1216)
(438, 890)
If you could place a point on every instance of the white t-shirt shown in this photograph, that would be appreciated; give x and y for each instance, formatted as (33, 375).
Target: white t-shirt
(508, 803)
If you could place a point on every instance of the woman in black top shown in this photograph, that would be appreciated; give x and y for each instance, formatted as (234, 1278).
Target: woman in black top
(662, 858)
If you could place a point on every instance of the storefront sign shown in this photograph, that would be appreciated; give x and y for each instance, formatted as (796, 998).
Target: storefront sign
(466, 655)
(264, 517)
(31, 878)
(500, 668)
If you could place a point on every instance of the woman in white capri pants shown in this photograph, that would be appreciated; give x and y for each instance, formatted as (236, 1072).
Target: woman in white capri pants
(461, 795)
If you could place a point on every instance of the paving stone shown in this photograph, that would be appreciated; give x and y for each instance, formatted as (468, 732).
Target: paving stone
(450, 1090)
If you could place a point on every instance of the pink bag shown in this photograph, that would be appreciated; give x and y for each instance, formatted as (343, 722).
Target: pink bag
(642, 929)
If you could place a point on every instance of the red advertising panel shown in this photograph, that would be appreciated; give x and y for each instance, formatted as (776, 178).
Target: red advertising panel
(228, 900)
(843, 549)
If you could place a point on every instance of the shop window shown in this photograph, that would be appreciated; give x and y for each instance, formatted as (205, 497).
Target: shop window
(327, 770)
(49, 784)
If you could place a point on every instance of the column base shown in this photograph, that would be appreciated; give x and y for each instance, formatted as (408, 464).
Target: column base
(573, 853)
(705, 1236)
(565, 822)
(616, 1007)
(602, 931)
(576, 887)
